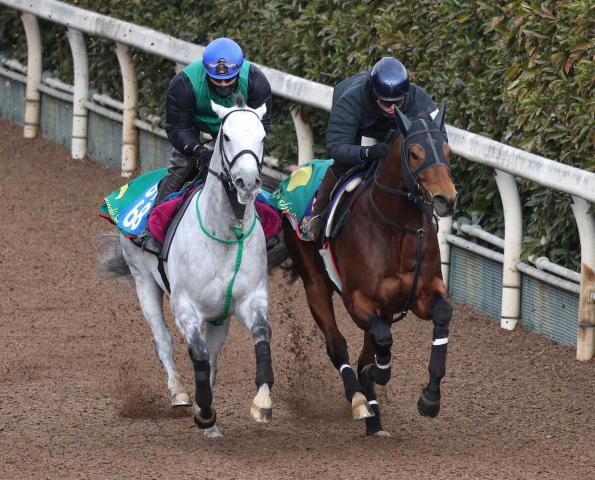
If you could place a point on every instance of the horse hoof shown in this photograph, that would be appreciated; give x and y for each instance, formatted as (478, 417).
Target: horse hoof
(427, 407)
(212, 432)
(204, 419)
(262, 407)
(359, 407)
(380, 434)
(180, 400)
(261, 415)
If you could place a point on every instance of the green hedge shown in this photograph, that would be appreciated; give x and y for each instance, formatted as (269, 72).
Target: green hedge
(520, 72)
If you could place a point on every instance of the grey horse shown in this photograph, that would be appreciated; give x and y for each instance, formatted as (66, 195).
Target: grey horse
(217, 266)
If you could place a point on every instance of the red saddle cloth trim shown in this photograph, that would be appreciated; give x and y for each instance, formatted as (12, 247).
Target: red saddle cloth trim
(162, 214)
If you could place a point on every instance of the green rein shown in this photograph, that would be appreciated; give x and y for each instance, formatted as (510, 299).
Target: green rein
(240, 237)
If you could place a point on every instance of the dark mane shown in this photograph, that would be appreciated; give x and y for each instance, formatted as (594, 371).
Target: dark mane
(240, 103)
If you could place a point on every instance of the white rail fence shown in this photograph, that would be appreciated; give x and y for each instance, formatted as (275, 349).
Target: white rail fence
(508, 162)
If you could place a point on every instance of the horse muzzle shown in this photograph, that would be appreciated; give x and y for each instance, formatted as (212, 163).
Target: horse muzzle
(247, 191)
(443, 206)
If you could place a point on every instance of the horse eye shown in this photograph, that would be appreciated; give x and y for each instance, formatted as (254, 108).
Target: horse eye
(225, 137)
(414, 156)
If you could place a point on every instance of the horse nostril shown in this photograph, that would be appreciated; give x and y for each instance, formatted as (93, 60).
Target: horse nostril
(258, 183)
(239, 183)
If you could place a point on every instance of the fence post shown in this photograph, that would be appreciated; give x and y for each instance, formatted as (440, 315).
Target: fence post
(32, 95)
(444, 230)
(304, 135)
(585, 342)
(129, 131)
(81, 93)
(513, 243)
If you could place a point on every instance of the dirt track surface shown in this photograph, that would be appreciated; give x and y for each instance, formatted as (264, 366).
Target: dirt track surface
(82, 394)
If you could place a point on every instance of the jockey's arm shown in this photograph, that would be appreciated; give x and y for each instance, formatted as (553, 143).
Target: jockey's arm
(179, 110)
(342, 134)
(259, 92)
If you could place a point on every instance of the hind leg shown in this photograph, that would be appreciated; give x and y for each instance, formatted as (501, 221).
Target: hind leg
(150, 297)
(253, 314)
(319, 294)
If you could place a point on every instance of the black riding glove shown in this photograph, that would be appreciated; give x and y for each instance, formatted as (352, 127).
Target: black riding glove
(202, 155)
(375, 152)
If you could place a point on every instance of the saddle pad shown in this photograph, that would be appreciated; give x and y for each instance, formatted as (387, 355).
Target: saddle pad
(128, 206)
(294, 195)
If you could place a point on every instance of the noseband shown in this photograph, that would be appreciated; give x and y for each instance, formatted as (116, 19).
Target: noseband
(424, 198)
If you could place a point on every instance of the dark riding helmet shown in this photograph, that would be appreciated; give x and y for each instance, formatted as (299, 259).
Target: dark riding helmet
(389, 81)
(222, 59)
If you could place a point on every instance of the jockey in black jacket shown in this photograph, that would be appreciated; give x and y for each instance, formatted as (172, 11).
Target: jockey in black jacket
(220, 76)
(365, 105)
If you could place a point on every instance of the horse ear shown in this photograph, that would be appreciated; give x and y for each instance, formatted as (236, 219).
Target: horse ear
(403, 122)
(219, 110)
(439, 117)
(260, 111)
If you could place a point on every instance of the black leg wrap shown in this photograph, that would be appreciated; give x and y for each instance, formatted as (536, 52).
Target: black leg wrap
(264, 365)
(203, 394)
(381, 376)
(373, 424)
(381, 336)
(351, 384)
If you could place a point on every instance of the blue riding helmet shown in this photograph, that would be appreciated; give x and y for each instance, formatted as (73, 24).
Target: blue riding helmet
(389, 81)
(222, 59)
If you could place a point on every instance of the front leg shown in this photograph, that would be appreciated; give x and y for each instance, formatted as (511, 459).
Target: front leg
(428, 404)
(253, 314)
(189, 321)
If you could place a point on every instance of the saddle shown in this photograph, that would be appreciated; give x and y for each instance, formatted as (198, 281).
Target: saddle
(342, 198)
(164, 219)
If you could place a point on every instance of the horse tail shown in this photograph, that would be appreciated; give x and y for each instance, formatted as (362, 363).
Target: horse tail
(110, 259)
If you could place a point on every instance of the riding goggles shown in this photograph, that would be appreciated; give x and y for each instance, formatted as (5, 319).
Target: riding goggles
(222, 67)
(389, 102)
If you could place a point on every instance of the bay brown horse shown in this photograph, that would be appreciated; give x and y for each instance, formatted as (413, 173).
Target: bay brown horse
(388, 259)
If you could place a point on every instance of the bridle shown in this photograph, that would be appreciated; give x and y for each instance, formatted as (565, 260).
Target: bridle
(414, 191)
(424, 198)
(224, 176)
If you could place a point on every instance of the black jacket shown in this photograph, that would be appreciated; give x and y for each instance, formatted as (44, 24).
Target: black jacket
(181, 101)
(354, 114)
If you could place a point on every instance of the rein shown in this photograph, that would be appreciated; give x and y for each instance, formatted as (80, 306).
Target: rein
(240, 237)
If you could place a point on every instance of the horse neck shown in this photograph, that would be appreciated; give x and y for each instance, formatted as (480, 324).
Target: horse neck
(215, 208)
(390, 174)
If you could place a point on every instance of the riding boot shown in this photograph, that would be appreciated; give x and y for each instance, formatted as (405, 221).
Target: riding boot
(177, 174)
(319, 205)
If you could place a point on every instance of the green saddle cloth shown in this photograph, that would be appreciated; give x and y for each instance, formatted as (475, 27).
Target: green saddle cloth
(295, 193)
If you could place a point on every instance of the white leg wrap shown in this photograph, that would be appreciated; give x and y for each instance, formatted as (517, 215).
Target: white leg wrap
(372, 402)
(440, 341)
(381, 367)
(343, 367)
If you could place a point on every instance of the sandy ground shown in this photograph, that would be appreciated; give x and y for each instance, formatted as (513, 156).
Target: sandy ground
(82, 394)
